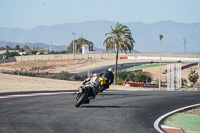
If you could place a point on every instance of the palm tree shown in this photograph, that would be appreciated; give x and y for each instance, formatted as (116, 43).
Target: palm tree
(7, 49)
(119, 39)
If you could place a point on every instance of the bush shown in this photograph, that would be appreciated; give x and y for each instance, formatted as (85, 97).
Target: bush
(183, 81)
(15, 72)
(138, 77)
(9, 54)
(193, 76)
(26, 73)
(125, 76)
(157, 81)
(119, 81)
(142, 77)
(78, 77)
(64, 75)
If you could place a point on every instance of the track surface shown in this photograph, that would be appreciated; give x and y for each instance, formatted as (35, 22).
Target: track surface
(110, 112)
(120, 66)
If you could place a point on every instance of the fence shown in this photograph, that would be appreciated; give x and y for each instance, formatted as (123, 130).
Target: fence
(93, 56)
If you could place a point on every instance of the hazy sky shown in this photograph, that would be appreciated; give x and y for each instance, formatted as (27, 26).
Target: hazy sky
(30, 13)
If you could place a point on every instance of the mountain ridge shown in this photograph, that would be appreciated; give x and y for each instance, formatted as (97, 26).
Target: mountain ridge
(145, 35)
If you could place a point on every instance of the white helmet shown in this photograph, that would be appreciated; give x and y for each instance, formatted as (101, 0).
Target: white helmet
(110, 69)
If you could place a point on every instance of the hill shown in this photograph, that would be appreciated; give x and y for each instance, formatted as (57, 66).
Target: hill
(145, 35)
(42, 45)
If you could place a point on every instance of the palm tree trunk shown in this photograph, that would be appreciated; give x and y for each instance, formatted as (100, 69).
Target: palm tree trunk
(116, 67)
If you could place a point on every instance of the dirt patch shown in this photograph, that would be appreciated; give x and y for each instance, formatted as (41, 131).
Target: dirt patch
(184, 74)
(195, 111)
(14, 83)
(56, 66)
(53, 66)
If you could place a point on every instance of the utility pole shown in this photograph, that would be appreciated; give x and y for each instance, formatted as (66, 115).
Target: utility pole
(161, 36)
(185, 45)
(3, 62)
(73, 45)
(37, 66)
(50, 49)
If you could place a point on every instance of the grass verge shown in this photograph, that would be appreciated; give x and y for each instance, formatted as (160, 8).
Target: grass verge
(94, 68)
(188, 123)
(144, 66)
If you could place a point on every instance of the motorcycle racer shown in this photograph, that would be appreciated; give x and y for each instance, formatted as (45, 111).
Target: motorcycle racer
(108, 77)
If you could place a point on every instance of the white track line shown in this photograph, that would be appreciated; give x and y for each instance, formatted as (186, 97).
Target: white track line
(40, 94)
(156, 123)
(34, 94)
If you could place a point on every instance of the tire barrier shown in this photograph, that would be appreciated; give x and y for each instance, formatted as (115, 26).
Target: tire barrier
(141, 84)
(134, 84)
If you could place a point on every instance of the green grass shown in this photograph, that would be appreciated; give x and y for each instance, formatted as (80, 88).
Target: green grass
(94, 68)
(187, 89)
(144, 66)
(187, 63)
(150, 65)
(188, 123)
(137, 67)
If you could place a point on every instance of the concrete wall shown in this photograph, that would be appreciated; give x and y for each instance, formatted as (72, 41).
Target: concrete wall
(96, 56)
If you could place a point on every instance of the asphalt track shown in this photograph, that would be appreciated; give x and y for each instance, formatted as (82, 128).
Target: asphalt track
(120, 66)
(110, 112)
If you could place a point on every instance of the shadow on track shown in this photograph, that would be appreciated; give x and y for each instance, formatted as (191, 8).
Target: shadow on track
(109, 106)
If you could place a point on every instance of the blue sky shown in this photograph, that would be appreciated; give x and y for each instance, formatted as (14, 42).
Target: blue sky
(31, 13)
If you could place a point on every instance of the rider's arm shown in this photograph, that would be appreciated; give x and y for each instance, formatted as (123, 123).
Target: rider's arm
(86, 81)
(100, 74)
(111, 80)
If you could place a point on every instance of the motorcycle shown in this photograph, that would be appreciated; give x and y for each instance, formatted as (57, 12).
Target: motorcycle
(85, 93)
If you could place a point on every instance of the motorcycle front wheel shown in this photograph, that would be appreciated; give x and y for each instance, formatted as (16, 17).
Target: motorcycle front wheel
(81, 100)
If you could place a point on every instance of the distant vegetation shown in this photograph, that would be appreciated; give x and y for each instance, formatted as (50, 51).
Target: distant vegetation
(140, 76)
(60, 52)
(79, 42)
(64, 75)
(23, 73)
(9, 54)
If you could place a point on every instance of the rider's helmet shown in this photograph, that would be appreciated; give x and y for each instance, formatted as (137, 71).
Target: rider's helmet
(110, 69)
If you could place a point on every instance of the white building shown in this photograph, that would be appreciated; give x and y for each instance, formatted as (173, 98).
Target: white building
(88, 49)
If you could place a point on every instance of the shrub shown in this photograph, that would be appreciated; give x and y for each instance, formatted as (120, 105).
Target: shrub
(183, 81)
(15, 72)
(26, 73)
(78, 77)
(119, 81)
(64, 75)
(142, 77)
(193, 76)
(125, 76)
(138, 77)
(122, 75)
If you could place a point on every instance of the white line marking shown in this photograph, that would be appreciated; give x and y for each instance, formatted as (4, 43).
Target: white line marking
(156, 123)
(42, 94)
(35, 94)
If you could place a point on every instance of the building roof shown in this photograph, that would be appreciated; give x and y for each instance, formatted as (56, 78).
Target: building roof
(38, 50)
(85, 45)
